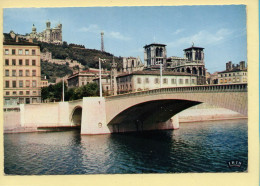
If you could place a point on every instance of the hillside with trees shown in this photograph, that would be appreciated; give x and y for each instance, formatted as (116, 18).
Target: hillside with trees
(52, 71)
(87, 57)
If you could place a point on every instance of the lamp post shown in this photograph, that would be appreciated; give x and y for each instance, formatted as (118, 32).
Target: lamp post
(100, 84)
(160, 74)
(63, 89)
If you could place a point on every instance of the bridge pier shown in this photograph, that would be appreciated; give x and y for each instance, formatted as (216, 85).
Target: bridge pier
(94, 116)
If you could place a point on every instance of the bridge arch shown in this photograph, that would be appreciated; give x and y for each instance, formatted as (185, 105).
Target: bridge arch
(76, 116)
(233, 97)
(149, 115)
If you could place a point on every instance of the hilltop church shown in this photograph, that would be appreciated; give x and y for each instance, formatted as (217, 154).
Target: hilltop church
(49, 35)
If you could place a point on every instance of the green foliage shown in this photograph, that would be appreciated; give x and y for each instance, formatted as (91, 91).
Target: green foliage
(87, 57)
(54, 92)
(52, 71)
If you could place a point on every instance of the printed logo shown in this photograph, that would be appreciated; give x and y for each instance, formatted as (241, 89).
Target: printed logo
(234, 163)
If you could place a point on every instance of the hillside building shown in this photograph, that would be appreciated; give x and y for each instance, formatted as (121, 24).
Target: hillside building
(49, 35)
(84, 77)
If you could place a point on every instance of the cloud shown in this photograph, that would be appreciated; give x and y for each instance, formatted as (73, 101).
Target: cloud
(110, 34)
(178, 31)
(91, 28)
(204, 38)
(118, 35)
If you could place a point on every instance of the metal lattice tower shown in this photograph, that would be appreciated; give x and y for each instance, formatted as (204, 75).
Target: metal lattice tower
(102, 42)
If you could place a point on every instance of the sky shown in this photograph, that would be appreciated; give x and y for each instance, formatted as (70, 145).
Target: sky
(221, 30)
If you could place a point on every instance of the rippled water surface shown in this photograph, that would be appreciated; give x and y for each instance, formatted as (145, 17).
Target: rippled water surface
(195, 147)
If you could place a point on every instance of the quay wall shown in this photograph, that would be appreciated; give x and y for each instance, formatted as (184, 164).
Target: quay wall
(12, 120)
(45, 115)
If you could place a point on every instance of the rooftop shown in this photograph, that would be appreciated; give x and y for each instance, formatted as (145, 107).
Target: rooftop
(156, 44)
(193, 47)
(171, 73)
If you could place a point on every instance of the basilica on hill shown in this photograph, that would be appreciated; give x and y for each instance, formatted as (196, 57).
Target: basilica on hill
(49, 35)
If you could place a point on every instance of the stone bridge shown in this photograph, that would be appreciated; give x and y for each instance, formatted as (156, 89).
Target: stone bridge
(146, 110)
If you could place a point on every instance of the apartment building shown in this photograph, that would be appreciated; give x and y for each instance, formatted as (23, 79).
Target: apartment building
(22, 73)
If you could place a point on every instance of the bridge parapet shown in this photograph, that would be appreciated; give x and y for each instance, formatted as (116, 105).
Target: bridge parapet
(188, 89)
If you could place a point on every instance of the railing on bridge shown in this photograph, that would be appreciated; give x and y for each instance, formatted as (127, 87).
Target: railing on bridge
(188, 89)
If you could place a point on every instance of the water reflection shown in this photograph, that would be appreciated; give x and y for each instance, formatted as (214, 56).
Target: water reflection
(196, 147)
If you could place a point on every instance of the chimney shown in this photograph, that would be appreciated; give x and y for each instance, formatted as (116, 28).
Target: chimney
(30, 40)
(16, 39)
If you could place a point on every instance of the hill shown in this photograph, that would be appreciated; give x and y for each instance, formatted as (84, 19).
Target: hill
(87, 57)
(52, 71)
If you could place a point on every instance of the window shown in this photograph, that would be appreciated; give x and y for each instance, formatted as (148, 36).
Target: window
(21, 83)
(14, 92)
(146, 80)
(33, 52)
(34, 92)
(139, 80)
(27, 100)
(13, 72)
(7, 93)
(21, 93)
(26, 52)
(13, 51)
(27, 92)
(6, 72)
(7, 62)
(6, 51)
(229, 74)
(13, 62)
(181, 81)
(156, 80)
(234, 79)
(20, 73)
(186, 81)
(6, 84)
(27, 83)
(20, 62)
(34, 74)
(225, 75)
(193, 81)
(27, 73)
(20, 51)
(14, 84)
(165, 81)
(27, 62)
(33, 62)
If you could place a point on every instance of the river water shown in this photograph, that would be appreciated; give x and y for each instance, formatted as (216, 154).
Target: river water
(195, 147)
